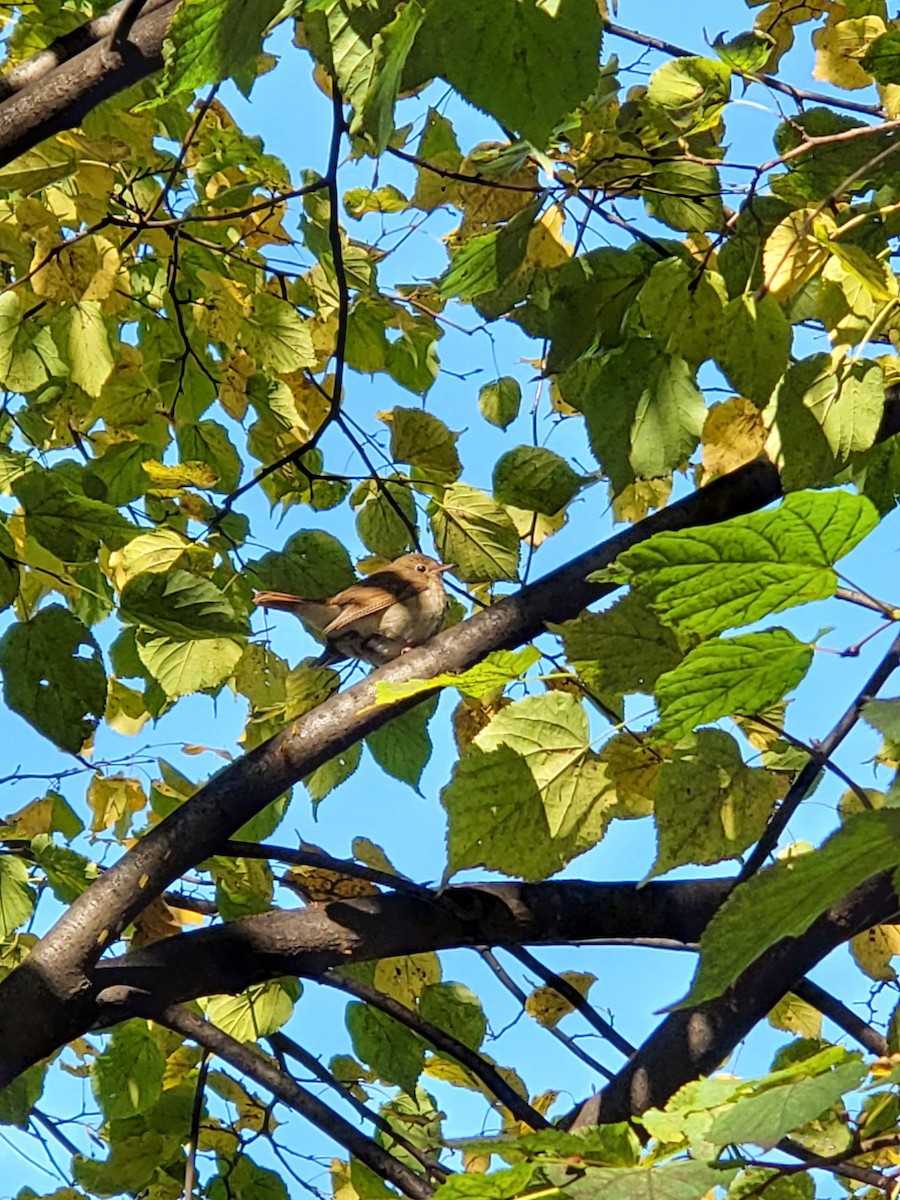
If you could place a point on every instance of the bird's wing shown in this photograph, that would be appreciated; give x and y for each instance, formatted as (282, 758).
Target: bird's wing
(363, 599)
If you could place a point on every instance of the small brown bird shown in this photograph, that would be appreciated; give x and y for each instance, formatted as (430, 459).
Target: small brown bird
(378, 618)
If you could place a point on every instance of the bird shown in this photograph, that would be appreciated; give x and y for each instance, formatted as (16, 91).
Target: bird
(378, 618)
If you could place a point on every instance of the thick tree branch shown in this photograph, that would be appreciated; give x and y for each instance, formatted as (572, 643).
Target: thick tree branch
(695, 1041)
(60, 86)
(54, 985)
(311, 941)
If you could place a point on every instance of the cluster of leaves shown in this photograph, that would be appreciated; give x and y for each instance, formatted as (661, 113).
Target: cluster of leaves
(182, 319)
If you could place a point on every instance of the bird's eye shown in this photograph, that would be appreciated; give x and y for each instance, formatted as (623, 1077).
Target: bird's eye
(421, 567)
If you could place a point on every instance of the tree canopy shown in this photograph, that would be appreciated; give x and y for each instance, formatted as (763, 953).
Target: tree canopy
(535, 297)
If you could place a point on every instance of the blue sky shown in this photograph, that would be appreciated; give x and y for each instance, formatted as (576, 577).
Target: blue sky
(293, 117)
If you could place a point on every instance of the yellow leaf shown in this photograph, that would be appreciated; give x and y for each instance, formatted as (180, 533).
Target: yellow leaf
(112, 798)
(873, 951)
(796, 1016)
(794, 250)
(839, 47)
(734, 433)
(548, 1007)
(636, 499)
(406, 977)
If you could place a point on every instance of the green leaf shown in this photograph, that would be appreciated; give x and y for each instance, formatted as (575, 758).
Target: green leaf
(685, 196)
(529, 795)
(159, 550)
(9, 569)
(503, 56)
(127, 1075)
(824, 417)
(747, 52)
(276, 335)
(499, 401)
(882, 58)
(765, 1118)
(643, 410)
(728, 675)
(535, 478)
(682, 308)
(402, 747)
(28, 357)
(380, 527)
(260, 1010)
(179, 604)
(705, 581)
(683, 1179)
(691, 90)
(390, 47)
(182, 667)
(487, 261)
(784, 899)
(423, 441)
(17, 899)
(754, 346)
(327, 777)
(88, 344)
(496, 670)
(393, 1052)
(709, 805)
(623, 649)
(49, 681)
(68, 525)
(475, 533)
(456, 1010)
(207, 442)
(67, 872)
(312, 564)
(499, 1185)
(208, 42)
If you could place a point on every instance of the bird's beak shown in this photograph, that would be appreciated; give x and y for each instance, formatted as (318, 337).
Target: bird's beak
(444, 567)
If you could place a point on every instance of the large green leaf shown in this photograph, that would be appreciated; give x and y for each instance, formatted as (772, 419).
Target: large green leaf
(67, 524)
(17, 899)
(393, 1052)
(504, 56)
(705, 581)
(180, 605)
(402, 747)
(623, 649)
(128, 1074)
(535, 478)
(49, 681)
(726, 675)
(475, 533)
(260, 1010)
(709, 805)
(754, 345)
(529, 794)
(644, 412)
(312, 564)
(184, 665)
(783, 900)
(208, 42)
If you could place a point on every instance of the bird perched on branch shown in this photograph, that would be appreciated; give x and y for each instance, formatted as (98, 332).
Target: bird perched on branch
(378, 618)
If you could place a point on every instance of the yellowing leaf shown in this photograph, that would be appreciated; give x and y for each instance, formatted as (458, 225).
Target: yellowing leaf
(840, 46)
(796, 250)
(548, 1007)
(873, 950)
